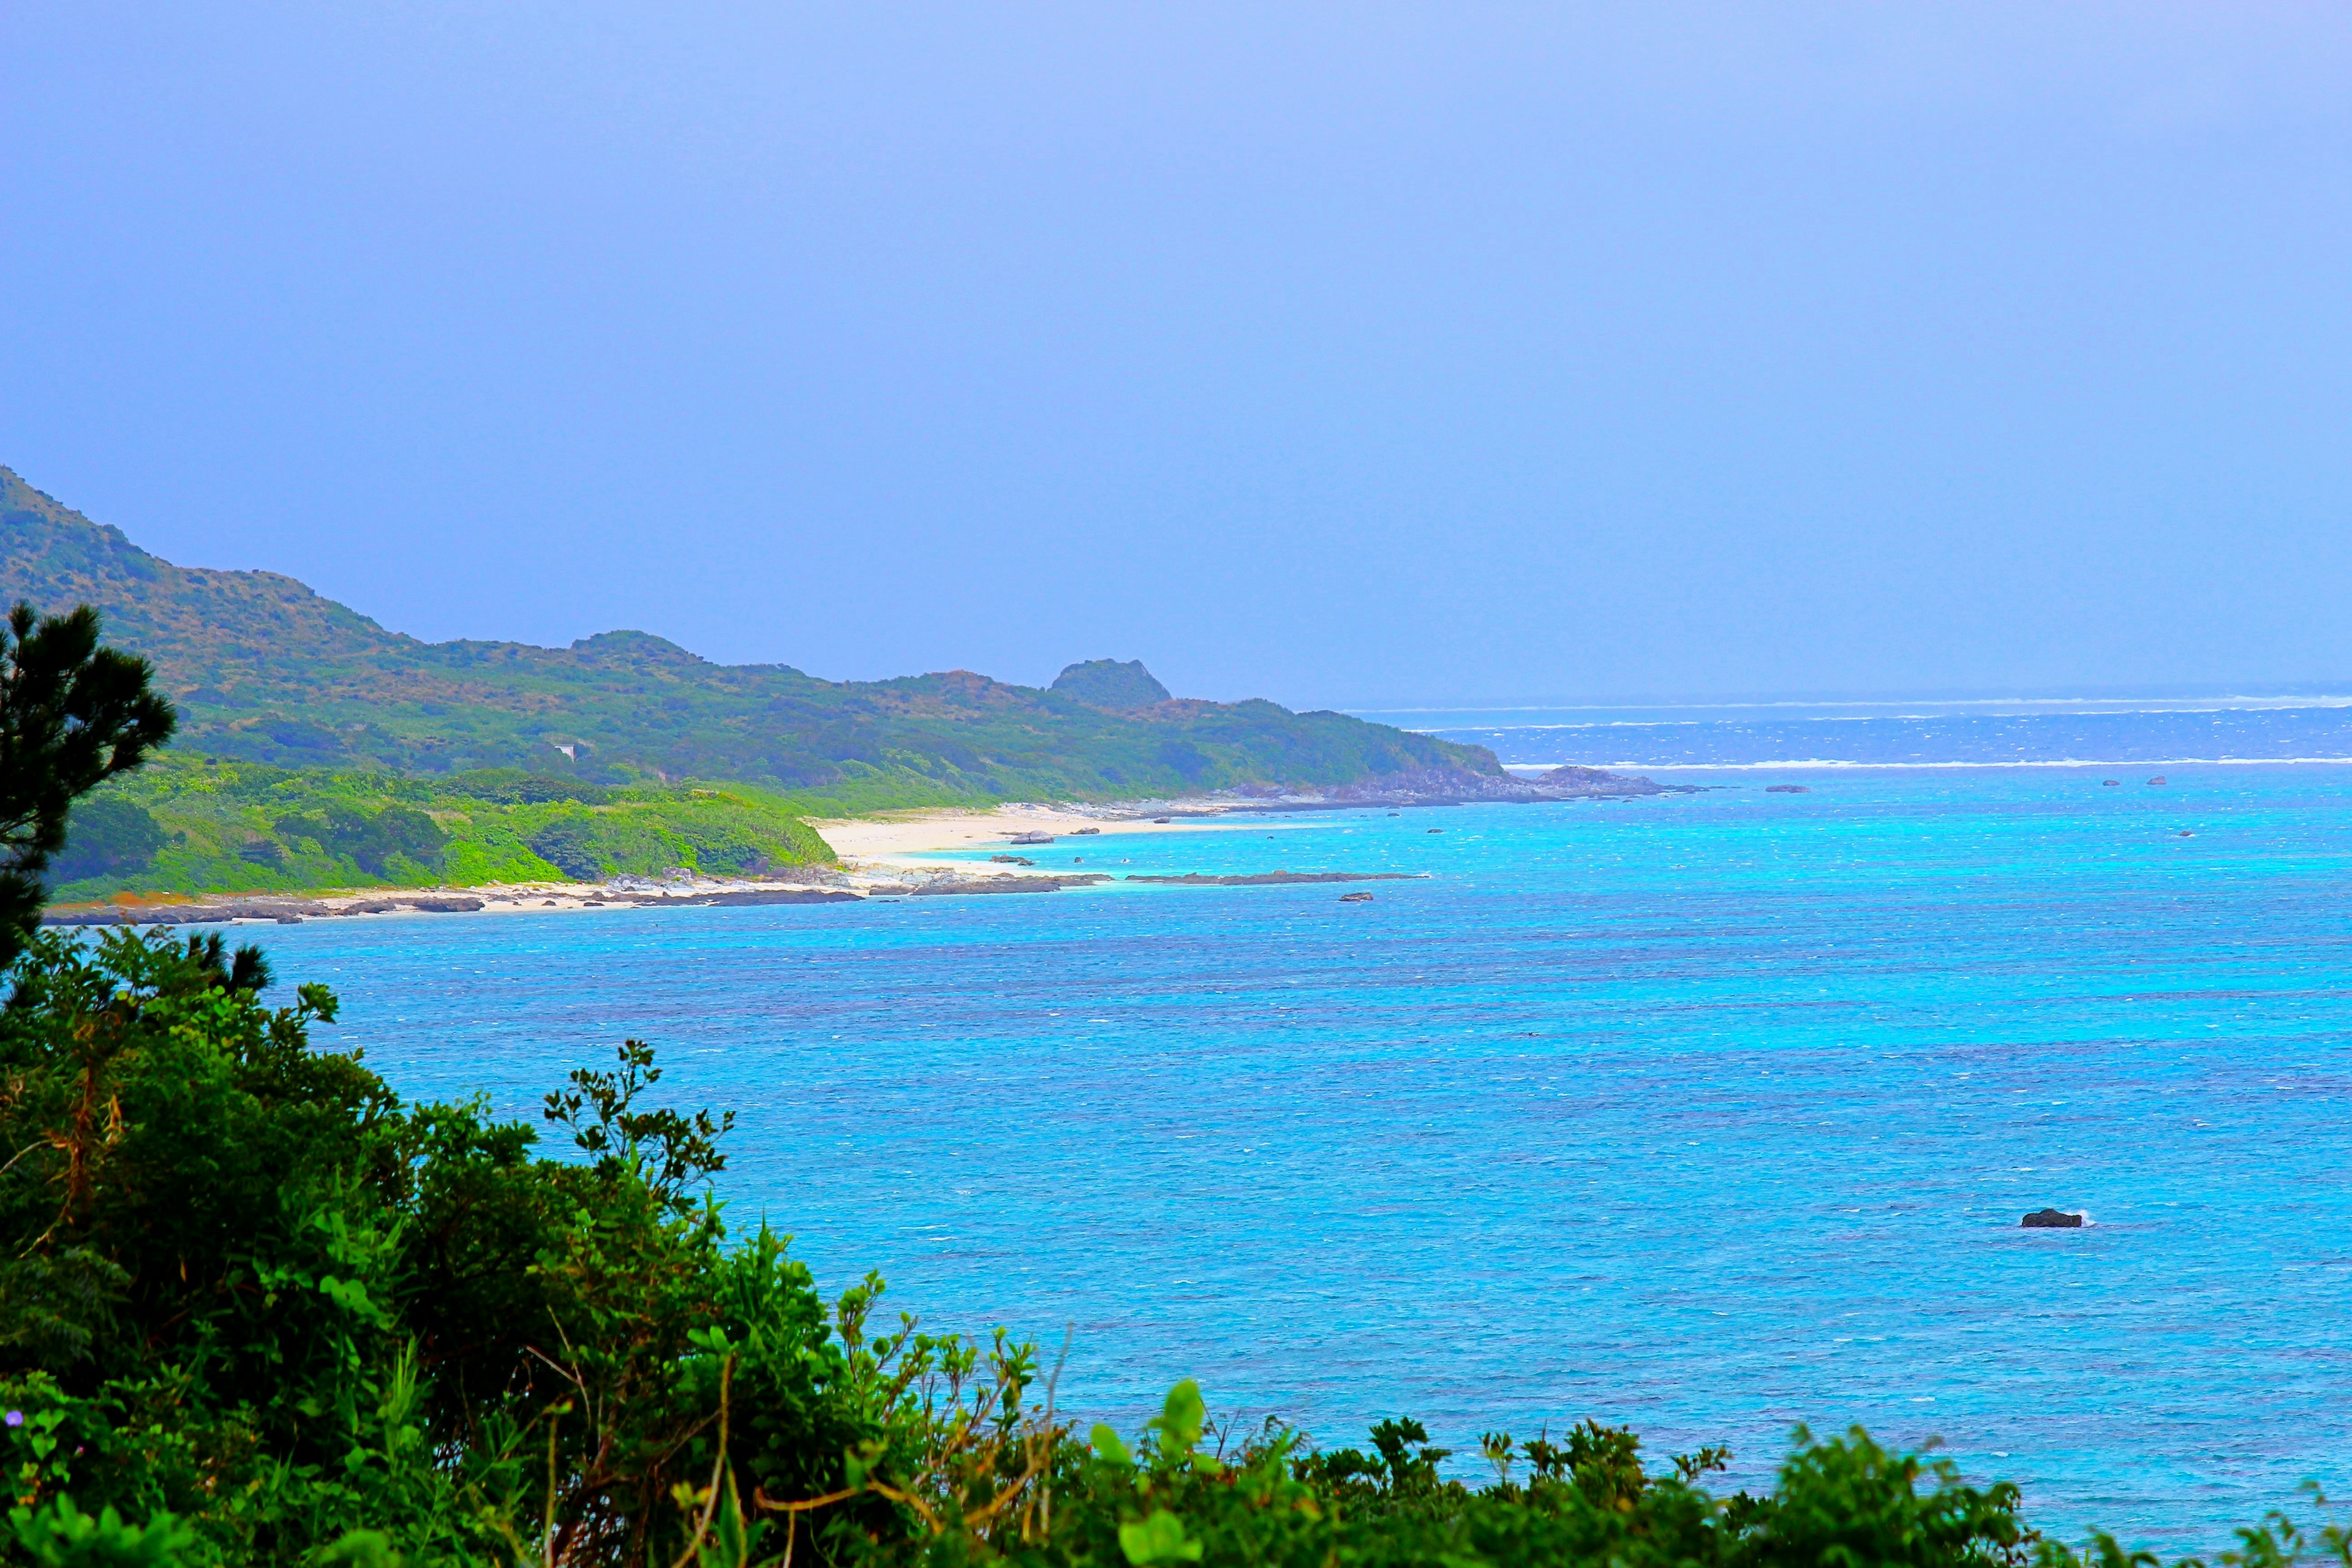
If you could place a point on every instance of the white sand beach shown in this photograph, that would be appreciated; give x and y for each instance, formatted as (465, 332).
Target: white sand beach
(919, 838)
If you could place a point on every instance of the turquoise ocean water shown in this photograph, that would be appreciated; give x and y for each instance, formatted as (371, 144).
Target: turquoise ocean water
(1712, 1114)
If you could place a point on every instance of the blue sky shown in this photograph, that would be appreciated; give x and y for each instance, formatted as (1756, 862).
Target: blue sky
(1346, 354)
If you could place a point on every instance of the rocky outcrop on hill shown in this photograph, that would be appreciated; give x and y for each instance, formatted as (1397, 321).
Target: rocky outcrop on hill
(1107, 683)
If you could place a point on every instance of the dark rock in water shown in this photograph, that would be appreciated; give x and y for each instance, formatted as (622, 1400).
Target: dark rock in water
(2157, 780)
(2110, 784)
(1355, 898)
(1010, 860)
(2186, 834)
(289, 920)
(1159, 819)
(1107, 683)
(445, 906)
(1787, 789)
(2051, 1219)
(1438, 830)
(1031, 838)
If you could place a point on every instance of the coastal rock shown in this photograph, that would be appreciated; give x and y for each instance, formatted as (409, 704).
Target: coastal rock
(1031, 838)
(2157, 780)
(445, 906)
(768, 896)
(2110, 784)
(1082, 832)
(1280, 879)
(181, 914)
(1787, 789)
(2051, 1219)
(1355, 898)
(811, 875)
(1010, 860)
(950, 884)
(1574, 782)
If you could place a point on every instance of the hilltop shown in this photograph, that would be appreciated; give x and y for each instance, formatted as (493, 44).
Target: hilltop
(265, 670)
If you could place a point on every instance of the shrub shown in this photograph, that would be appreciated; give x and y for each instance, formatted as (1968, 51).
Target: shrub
(568, 843)
(108, 838)
(369, 840)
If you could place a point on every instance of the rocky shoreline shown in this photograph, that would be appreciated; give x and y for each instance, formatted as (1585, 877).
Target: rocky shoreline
(689, 893)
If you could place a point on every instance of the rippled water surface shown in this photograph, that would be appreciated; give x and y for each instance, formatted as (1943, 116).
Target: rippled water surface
(1713, 1114)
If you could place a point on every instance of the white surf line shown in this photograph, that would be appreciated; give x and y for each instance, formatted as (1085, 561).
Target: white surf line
(2222, 704)
(1830, 763)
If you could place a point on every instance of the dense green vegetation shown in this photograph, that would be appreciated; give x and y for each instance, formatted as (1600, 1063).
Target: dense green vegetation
(187, 825)
(264, 670)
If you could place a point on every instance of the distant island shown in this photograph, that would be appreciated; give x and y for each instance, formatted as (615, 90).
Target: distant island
(318, 749)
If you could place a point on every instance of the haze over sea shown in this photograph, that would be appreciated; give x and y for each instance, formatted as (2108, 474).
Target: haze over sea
(1709, 1113)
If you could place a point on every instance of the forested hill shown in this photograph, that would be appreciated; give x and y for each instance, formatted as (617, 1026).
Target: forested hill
(265, 670)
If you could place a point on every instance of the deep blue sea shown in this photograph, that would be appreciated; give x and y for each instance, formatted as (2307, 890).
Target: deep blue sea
(1713, 1113)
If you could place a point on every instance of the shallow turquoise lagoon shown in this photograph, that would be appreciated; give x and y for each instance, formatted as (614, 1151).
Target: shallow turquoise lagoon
(1711, 1114)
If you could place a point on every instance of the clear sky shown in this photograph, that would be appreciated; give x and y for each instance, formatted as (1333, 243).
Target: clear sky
(1343, 354)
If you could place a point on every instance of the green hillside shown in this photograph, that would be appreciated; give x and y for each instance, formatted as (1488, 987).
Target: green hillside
(266, 672)
(194, 825)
